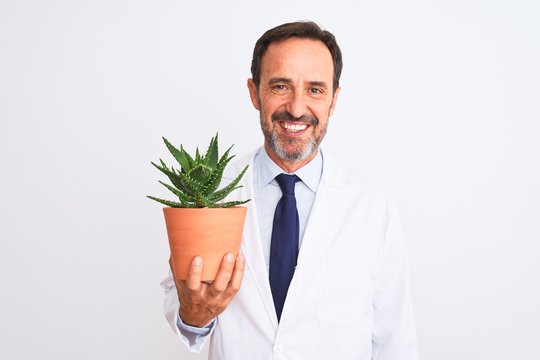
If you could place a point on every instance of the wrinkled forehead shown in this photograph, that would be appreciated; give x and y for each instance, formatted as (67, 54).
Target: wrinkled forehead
(298, 58)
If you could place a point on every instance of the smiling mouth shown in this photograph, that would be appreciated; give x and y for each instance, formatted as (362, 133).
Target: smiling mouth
(293, 127)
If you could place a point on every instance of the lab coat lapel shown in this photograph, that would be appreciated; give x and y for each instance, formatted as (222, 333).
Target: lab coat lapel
(323, 222)
(324, 216)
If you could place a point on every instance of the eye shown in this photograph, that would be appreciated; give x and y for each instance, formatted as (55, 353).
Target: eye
(280, 88)
(316, 91)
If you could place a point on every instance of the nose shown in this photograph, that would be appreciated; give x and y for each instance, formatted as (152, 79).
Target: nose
(296, 105)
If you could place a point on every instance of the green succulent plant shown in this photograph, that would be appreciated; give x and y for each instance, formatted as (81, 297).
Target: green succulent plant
(196, 182)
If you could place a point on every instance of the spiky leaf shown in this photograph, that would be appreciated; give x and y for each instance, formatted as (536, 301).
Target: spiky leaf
(173, 176)
(212, 155)
(179, 155)
(200, 172)
(166, 202)
(221, 194)
(184, 199)
(231, 203)
(214, 180)
(191, 161)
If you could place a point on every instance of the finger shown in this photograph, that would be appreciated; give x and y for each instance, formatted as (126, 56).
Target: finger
(238, 274)
(193, 282)
(224, 274)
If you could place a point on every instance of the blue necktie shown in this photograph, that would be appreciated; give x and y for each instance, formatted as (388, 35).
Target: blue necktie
(284, 245)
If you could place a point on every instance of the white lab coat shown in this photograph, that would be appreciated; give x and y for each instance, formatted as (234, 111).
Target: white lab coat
(349, 298)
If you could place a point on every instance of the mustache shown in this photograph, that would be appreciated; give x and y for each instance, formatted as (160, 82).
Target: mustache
(286, 116)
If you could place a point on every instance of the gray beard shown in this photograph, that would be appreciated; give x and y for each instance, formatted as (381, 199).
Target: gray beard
(301, 152)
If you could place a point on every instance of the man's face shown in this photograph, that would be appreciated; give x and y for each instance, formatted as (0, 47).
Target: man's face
(295, 98)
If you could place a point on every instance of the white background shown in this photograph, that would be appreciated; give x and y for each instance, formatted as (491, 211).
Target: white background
(439, 105)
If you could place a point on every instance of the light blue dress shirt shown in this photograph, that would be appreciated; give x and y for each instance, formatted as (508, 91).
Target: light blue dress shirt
(267, 194)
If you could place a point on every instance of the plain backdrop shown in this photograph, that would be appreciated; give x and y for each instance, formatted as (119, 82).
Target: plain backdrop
(439, 106)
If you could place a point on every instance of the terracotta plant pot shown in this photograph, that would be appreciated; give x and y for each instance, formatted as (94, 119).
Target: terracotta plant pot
(209, 233)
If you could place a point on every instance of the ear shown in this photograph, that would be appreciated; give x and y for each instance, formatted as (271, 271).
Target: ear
(253, 94)
(334, 101)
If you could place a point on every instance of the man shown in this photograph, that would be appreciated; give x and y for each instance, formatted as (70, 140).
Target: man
(333, 282)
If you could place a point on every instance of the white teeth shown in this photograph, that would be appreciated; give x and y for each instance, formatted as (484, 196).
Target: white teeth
(293, 127)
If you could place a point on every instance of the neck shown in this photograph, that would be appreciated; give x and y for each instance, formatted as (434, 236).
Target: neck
(286, 165)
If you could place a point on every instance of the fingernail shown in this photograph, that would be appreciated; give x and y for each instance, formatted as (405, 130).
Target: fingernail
(240, 257)
(230, 257)
(197, 261)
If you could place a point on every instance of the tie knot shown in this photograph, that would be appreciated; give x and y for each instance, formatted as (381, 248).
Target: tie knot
(287, 182)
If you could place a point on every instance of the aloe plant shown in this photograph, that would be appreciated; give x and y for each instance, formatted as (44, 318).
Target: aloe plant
(196, 182)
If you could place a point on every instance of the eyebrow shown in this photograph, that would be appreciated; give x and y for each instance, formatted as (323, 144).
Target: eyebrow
(322, 84)
(272, 81)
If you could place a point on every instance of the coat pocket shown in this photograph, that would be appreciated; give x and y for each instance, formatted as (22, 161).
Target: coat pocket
(344, 297)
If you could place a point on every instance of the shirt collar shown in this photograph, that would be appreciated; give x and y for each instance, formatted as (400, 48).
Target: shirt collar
(267, 170)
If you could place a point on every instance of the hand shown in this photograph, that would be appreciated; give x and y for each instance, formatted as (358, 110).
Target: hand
(201, 302)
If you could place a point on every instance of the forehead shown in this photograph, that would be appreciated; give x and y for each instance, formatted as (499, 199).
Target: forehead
(296, 57)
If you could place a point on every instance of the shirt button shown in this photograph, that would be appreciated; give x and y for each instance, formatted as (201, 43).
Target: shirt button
(277, 349)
